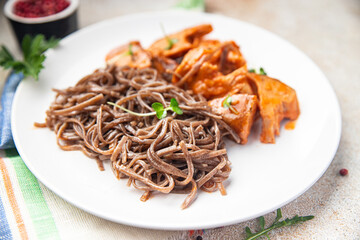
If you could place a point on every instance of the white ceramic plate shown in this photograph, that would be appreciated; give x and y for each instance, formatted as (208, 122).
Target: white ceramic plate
(264, 177)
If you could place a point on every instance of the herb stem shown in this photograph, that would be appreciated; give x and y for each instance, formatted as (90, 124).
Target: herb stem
(131, 112)
(276, 224)
(261, 233)
(166, 36)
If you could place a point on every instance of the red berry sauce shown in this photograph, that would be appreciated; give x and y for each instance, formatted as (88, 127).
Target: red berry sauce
(39, 8)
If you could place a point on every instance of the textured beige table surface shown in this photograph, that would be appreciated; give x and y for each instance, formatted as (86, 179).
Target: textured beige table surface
(328, 31)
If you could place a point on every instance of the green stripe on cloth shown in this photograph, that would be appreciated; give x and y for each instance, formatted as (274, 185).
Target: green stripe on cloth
(39, 212)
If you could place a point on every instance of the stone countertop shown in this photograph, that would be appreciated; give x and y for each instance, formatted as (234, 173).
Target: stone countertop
(328, 31)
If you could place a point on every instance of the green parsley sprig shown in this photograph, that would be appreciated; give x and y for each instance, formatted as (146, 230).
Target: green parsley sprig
(261, 71)
(159, 109)
(227, 104)
(33, 55)
(277, 224)
(171, 41)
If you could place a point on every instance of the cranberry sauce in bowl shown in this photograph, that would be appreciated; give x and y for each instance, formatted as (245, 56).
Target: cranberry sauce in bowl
(56, 18)
(39, 8)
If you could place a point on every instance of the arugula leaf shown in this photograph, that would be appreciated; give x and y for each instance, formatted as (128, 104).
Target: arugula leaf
(276, 224)
(252, 70)
(159, 109)
(262, 223)
(278, 215)
(33, 55)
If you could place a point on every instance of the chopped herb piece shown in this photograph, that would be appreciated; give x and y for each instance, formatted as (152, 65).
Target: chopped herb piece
(227, 104)
(130, 52)
(171, 41)
(261, 71)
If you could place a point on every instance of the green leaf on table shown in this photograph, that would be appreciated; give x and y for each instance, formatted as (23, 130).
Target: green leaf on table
(33, 55)
(6, 59)
(276, 224)
(262, 222)
(248, 232)
(278, 215)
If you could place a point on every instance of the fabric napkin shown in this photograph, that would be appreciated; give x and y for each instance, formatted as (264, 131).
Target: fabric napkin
(6, 140)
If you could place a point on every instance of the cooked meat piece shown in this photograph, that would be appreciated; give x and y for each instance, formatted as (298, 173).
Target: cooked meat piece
(213, 69)
(182, 41)
(217, 85)
(131, 54)
(276, 102)
(192, 61)
(164, 64)
(241, 117)
(230, 58)
(226, 57)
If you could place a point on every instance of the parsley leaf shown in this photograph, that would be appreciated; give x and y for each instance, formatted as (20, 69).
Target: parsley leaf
(33, 55)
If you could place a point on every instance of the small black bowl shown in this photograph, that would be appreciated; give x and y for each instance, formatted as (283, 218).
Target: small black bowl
(58, 25)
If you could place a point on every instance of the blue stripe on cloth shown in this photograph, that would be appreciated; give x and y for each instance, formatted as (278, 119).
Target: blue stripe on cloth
(5, 232)
(6, 140)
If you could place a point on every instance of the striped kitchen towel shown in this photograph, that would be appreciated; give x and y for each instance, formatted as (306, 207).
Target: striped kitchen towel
(28, 210)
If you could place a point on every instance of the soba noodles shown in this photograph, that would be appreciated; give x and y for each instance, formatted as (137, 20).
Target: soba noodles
(177, 154)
